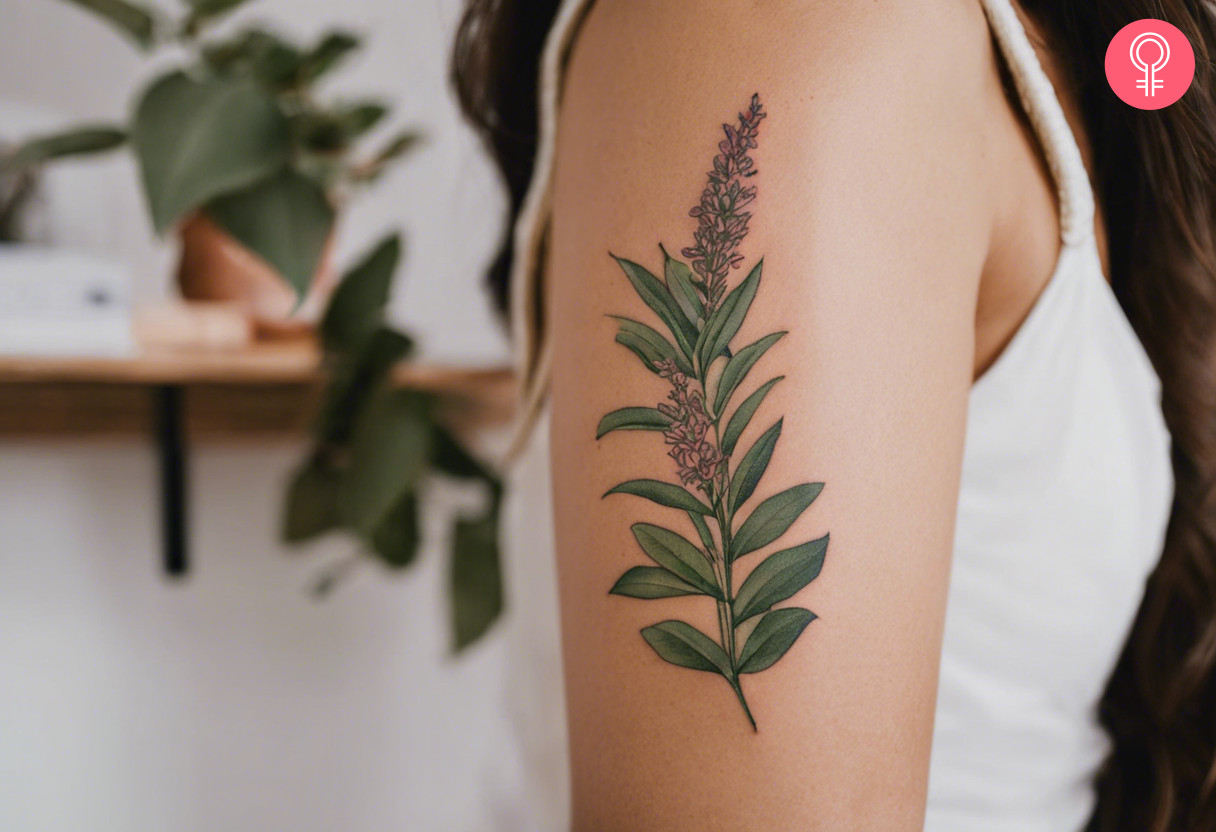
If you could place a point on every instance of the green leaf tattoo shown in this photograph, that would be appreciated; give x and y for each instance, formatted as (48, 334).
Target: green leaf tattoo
(689, 344)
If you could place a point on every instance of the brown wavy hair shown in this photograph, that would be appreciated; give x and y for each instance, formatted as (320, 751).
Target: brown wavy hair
(1156, 180)
(1156, 175)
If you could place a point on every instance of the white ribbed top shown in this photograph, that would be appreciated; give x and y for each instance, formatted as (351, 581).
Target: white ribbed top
(1065, 493)
(1064, 497)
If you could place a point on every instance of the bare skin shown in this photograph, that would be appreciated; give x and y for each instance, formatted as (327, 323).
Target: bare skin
(907, 224)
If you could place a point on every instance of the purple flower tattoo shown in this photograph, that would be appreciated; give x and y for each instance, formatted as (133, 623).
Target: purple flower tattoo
(721, 220)
(691, 348)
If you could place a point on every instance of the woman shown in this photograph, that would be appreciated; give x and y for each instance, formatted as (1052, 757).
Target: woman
(866, 459)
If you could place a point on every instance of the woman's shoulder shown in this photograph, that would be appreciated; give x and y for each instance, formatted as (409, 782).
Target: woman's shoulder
(834, 241)
(923, 69)
(876, 109)
(927, 49)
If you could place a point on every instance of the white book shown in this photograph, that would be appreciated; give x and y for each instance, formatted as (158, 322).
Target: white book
(63, 303)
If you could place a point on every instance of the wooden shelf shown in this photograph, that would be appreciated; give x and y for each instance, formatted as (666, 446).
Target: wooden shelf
(268, 388)
(176, 397)
(287, 362)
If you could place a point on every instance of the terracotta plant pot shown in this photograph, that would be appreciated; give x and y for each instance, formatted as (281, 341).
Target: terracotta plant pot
(214, 266)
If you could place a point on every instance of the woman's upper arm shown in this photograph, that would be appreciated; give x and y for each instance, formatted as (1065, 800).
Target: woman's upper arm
(871, 237)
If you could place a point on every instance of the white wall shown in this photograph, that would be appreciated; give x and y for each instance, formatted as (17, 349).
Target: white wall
(235, 701)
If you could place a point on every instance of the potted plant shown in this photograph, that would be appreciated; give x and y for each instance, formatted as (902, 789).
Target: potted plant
(239, 154)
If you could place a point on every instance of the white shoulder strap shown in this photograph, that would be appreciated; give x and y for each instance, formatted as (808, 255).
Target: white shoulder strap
(532, 347)
(1047, 117)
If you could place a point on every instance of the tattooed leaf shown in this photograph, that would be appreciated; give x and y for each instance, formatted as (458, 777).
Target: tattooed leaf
(649, 345)
(702, 530)
(778, 577)
(751, 468)
(650, 582)
(677, 555)
(633, 418)
(686, 646)
(655, 295)
(679, 283)
(743, 416)
(698, 348)
(724, 323)
(711, 377)
(740, 364)
(663, 493)
(772, 517)
(773, 636)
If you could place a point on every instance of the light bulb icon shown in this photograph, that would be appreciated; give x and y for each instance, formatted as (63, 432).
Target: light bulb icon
(1150, 83)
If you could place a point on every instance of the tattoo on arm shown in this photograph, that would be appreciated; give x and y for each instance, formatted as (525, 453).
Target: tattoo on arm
(695, 356)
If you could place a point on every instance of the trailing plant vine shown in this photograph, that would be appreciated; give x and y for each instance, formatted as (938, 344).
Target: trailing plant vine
(702, 430)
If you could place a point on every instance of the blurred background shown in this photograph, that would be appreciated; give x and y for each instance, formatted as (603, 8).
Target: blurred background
(214, 687)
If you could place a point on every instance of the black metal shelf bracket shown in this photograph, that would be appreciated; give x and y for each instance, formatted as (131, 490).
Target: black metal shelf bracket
(169, 403)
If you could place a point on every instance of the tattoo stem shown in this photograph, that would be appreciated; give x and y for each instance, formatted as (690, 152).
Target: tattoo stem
(726, 612)
(725, 623)
(734, 683)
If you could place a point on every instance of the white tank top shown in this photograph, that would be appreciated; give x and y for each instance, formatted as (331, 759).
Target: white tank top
(1065, 493)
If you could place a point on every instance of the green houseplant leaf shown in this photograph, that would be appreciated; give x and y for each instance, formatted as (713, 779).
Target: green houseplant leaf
(675, 554)
(356, 378)
(773, 517)
(389, 452)
(649, 582)
(257, 54)
(773, 636)
(476, 576)
(203, 12)
(396, 536)
(133, 20)
(684, 645)
(360, 351)
(476, 583)
(452, 459)
(371, 169)
(77, 142)
(326, 55)
(312, 501)
(285, 219)
(331, 131)
(743, 416)
(208, 8)
(778, 577)
(198, 138)
(356, 309)
(633, 418)
(663, 493)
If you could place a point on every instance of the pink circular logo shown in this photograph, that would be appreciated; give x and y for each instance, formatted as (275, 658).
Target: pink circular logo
(1150, 64)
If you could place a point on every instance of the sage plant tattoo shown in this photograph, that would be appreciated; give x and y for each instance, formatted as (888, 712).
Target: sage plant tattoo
(701, 430)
